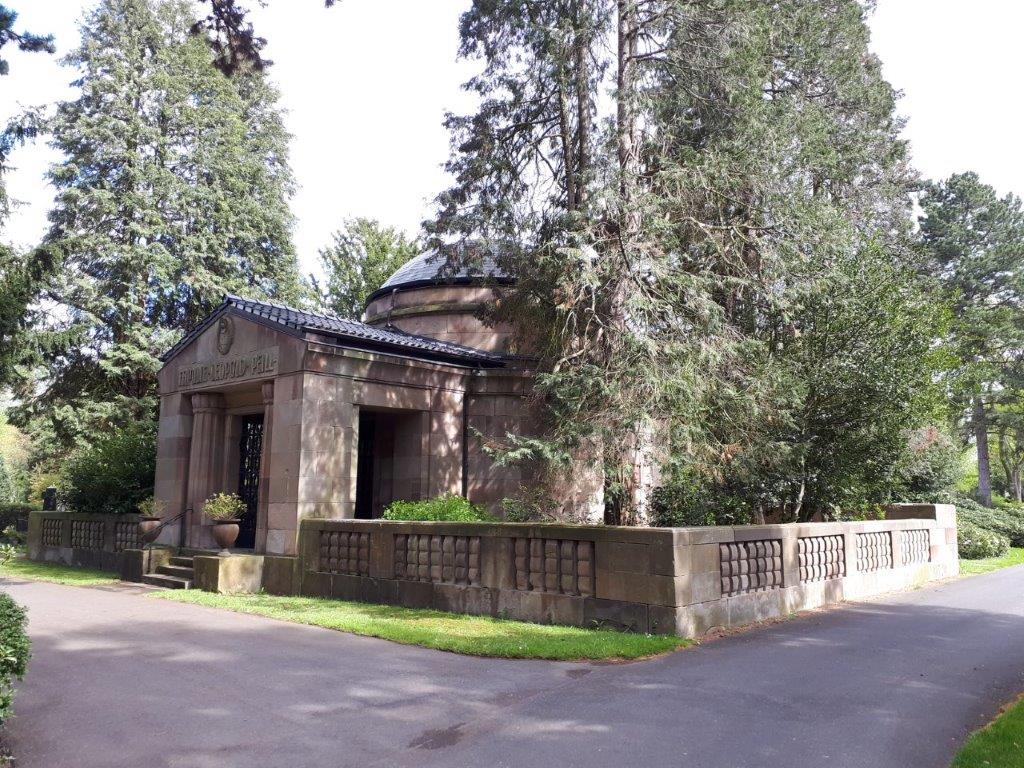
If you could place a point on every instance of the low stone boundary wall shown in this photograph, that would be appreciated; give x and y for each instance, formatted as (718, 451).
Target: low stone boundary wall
(661, 580)
(87, 541)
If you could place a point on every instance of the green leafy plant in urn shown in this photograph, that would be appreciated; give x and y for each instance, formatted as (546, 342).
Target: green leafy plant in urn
(225, 510)
(151, 510)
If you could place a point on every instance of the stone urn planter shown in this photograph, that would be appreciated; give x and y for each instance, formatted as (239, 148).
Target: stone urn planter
(224, 511)
(149, 529)
(225, 532)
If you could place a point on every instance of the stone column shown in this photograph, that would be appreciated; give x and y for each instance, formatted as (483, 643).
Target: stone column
(205, 461)
(263, 501)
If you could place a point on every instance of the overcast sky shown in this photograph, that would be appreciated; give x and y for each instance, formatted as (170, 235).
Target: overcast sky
(366, 85)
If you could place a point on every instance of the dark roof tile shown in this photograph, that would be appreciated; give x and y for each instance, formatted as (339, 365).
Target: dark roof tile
(359, 334)
(432, 268)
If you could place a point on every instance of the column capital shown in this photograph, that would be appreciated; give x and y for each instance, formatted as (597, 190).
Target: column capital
(207, 402)
(267, 388)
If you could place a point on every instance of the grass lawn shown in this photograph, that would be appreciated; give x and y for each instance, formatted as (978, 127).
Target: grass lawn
(1000, 744)
(58, 574)
(1014, 557)
(472, 635)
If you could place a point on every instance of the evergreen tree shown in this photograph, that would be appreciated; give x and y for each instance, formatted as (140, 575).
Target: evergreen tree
(362, 257)
(974, 244)
(26, 41)
(172, 191)
(7, 490)
(669, 244)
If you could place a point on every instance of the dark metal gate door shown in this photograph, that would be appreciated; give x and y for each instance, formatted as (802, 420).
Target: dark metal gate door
(249, 448)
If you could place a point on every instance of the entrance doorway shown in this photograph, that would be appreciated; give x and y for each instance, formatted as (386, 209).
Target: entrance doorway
(250, 447)
(389, 459)
(364, 465)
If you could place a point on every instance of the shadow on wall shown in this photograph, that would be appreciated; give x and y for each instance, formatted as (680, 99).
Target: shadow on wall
(895, 684)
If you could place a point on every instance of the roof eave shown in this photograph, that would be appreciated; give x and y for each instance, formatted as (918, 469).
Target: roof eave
(439, 282)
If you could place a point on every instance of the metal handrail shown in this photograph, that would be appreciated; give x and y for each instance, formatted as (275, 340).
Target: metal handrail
(148, 548)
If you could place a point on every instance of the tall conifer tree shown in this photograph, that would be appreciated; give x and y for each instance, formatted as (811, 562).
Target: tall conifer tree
(172, 190)
(670, 238)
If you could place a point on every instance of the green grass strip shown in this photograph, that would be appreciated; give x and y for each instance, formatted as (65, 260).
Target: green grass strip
(58, 574)
(472, 635)
(1014, 557)
(1000, 744)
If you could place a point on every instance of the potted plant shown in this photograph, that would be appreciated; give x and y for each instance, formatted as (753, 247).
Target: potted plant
(150, 511)
(224, 509)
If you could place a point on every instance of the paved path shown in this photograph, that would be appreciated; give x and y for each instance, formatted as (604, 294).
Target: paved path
(118, 679)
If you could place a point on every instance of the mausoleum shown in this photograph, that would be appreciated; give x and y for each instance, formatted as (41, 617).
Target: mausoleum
(308, 415)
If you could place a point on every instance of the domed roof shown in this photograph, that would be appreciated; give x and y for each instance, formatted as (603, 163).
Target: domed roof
(432, 268)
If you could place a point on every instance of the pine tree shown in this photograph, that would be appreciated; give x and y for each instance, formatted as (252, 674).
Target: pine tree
(974, 244)
(669, 242)
(362, 257)
(172, 191)
(26, 41)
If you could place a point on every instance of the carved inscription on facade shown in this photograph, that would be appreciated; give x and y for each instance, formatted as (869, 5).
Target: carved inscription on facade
(263, 362)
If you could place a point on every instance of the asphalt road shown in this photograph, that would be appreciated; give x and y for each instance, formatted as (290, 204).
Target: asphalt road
(119, 679)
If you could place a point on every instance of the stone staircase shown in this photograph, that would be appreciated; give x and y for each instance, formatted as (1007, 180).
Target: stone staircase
(178, 574)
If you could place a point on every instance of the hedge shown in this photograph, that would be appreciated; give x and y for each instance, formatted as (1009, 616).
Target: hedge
(14, 651)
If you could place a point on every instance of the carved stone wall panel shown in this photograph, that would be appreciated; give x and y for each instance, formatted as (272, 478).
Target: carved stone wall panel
(87, 534)
(52, 532)
(916, 546)
(751, 566)
(874, 551)
(438, 559)
(345, 552)
(126, 536)
(562, 566)
(821, 557)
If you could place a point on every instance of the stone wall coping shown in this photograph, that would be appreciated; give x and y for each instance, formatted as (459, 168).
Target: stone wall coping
(654, 536)
(101, 516)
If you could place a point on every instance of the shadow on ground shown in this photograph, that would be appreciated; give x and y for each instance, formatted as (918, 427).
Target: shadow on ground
(121, 680)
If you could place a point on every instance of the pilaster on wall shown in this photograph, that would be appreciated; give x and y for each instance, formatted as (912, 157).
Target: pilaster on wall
(174, 447)
(325, 485)
(263, 503)
(282, 456)
(205, 462)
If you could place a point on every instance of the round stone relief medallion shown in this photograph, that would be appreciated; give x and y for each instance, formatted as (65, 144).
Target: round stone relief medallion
(225, 334)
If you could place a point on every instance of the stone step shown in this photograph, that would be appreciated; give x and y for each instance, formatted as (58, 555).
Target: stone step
(168, 582)
(180, 571)
(184, 562)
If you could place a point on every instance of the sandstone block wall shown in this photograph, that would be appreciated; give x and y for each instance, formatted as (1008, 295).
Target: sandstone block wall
(683, 580)
(85, 541)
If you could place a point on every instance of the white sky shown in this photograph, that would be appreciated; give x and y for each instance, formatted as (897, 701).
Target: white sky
(366, 85)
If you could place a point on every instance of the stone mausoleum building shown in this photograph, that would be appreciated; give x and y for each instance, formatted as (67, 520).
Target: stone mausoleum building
(309, 415)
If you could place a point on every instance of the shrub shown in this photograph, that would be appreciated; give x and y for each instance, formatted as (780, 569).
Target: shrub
(976, 543)
(16, 515)
(14, 651)
(681, 504)
(7, 553)
(448, 508)
(14, 537)
(1006, 520)
(224, 506)
(113, 474)
(528, 506)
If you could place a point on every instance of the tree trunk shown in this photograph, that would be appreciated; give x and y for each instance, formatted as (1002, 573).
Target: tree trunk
(582, 103)
(631, 450)
(980, 423)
